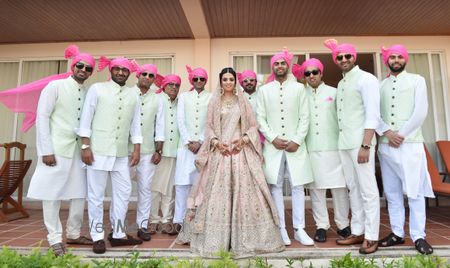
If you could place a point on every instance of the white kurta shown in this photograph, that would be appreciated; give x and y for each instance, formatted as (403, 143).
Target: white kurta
(66, 180)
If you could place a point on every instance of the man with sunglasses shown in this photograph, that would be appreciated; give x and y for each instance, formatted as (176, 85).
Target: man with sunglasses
(358, 113)
(283, 115)
(59, 174)
(110, 117)
(322, 144)
(404, 106)
(152, 128)
(191, 116)
(248, 82)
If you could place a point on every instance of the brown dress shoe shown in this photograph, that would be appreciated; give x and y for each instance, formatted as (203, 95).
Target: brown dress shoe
(128, 241)
(368, 247)
(99, 247)
(350, 240)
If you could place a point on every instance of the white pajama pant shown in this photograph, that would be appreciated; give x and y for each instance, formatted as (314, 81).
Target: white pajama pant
(341, 207)
(145, 171)
(53, 223)
(298, 198)
(363, 193)
(121, 192)
(393, 190)
(163, 202)
(181, 196)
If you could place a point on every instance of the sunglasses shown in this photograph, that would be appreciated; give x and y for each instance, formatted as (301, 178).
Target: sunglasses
(313, 72)
(173, 85)
(249, 80)
(196, 79)
(150, 75)
(86, 67)
(347, 56)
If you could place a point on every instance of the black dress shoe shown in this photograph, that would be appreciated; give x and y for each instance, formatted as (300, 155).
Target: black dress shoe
(99, 247)
(144, 234)
(346, 232)
(128, 241)
(423, 247)
(321, 235)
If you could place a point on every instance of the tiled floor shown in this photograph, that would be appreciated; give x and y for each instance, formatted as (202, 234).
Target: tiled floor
(31, 231)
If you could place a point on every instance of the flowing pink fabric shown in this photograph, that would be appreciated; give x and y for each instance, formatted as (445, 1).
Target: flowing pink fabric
(332, 44)
(314, 63)
(197, 72)
(395, 49)
(170, 78)
(104, 62)
(244, 75)
(25, 98)
(150, 68)
(297, 71)
(285, 55)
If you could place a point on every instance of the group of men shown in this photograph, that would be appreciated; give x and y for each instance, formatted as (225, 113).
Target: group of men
(318, 136)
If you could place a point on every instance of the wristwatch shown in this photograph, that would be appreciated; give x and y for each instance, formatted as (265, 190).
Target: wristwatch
(158, 151)
(365, 146)
(85, 146)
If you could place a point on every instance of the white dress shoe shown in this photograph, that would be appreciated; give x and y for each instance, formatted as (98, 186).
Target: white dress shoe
(301, 236)
(285, 237)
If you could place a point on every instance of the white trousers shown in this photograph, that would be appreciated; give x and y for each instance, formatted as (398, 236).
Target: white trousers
(163, 202)
(53, 223)
(393, 190)
(145, 171)
(181, 196)
(298, 198)
(341, 207)
(363, 192)
(121, 192)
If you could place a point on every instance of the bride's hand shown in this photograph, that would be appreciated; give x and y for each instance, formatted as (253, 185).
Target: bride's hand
(223, 148)
(239, 144)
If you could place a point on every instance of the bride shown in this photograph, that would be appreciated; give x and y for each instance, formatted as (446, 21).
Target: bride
(230, 206)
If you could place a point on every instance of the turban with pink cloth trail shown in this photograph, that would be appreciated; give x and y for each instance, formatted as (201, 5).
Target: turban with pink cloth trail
(197, 72)
(336, 49)
(150, 68)
(395, 49)
(244, 75)
(170, 78)
(285, 55)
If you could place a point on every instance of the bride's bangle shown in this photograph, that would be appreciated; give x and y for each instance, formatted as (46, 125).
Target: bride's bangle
(214, 142)
(246, 139)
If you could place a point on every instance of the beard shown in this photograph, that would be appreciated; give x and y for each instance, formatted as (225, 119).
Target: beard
(397, 69)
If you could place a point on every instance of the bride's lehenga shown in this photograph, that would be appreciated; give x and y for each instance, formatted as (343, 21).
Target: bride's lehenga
(234, 208)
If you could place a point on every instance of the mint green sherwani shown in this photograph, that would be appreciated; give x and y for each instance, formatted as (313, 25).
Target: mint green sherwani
(282, 111)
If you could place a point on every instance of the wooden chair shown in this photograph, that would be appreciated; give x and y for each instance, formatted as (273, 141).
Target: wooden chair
(439, 187)
(444, 150)
(12, 173)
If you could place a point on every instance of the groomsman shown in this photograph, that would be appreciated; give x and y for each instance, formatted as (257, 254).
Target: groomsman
(404, 106)
(247, 80)
(358, 113)
(59, 174)
(283, 115)
(152, 128)
(322, 144)
(191, 116)
(163, 182)
(110, 117)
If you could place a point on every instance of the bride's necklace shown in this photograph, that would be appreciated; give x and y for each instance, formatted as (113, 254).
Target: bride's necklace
(228, 102)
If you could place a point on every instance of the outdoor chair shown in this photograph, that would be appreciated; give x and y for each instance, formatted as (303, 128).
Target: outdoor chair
(12, 173)
(444, 150)
(439, 187)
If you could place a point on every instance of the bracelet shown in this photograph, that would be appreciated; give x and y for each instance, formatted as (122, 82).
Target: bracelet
(214, 142)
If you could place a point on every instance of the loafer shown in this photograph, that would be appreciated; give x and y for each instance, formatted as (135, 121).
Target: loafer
(99, 247)
(344, 233)
(129, 241)
(301, 236)
(59, 249)
(153, 228)
(82, 240)
(144, 234)
(173, 229)
(368, 247)
(321, 235)
(285, 237)
(350, 240)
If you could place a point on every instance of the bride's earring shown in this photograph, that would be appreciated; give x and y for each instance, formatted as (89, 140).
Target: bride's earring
(221, 91)
(234, 91)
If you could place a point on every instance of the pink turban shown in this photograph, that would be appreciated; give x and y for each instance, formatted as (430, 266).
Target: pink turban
(297, 71)
(395, 49)
(150, 68)
(197, 72)
(314, 63)
(170, 78)
(332, 44)
(72, 52)
(103, 62)
(285, 55)
(245, 74)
